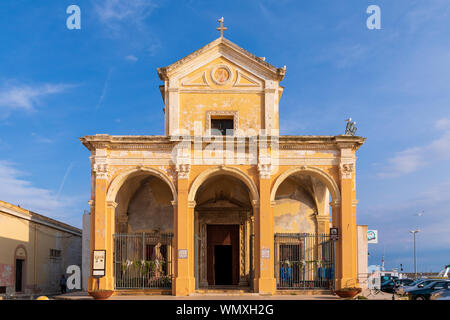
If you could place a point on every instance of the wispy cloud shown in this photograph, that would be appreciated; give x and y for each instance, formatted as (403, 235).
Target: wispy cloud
(131, 58)
(104, 90)
(114, 13)
(128, 21)
(14, 188)
(41, 139)
(61, 186)
(412, 159)
(27, 97)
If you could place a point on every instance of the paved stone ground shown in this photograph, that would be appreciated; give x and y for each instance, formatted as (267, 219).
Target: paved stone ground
(248, 296)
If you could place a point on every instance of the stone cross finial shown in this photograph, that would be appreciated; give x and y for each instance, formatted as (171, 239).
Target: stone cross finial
(222, 28)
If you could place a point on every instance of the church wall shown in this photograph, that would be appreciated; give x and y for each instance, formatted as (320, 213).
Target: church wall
(294, 211)
(146, 201)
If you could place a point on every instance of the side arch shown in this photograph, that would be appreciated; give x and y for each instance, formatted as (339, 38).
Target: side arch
(119, 180)
(313, 171)
(235, 172)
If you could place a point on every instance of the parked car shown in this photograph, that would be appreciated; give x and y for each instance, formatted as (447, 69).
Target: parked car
(443, 294)
(426, 291)
(417, 284)
(386, 278)
(390, 286)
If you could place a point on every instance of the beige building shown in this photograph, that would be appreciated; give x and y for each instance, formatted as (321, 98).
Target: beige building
(34, 251)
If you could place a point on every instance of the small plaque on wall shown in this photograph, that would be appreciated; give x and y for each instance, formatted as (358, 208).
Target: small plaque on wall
(99, 263)
(182, 253)
(265, 253)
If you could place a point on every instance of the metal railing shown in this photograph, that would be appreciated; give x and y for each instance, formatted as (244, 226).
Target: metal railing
(304, 261)
(143, 261)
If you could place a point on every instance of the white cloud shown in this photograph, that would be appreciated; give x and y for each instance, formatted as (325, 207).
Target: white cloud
(131, 58)
(114, 12)
(19, 191)
(27, 97)
(412, 159)
(41, 139)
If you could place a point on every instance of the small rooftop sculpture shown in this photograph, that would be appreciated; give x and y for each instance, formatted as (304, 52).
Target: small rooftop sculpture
(350, 129)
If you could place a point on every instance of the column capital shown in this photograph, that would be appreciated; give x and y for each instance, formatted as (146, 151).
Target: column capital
(323, 217)
(255, 204)
(191, 204)
(111, 204)
(174, 203)
(335, 204)
(265, 170)
(101, 171)
(183, 170)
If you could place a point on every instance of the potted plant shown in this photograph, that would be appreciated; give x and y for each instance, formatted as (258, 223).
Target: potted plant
(349, 291)
(98, 294)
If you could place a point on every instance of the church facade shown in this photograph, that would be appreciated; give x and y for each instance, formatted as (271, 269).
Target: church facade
(221, 200)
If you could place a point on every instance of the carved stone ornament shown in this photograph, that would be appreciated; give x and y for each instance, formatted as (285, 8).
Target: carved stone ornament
(347, 170)
(221, 74)
(264, 170)
(101, 170)
(183, 171)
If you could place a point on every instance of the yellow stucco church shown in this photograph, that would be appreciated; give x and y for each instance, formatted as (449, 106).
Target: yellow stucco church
(221, 201)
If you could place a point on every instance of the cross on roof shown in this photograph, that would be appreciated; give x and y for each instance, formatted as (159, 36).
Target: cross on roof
(222, 28)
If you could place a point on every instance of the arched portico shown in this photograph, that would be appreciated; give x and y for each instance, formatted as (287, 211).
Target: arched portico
(343, 208)
(313, 171)
(120, 179)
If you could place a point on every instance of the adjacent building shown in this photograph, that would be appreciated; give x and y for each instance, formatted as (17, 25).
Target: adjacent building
(34, 251)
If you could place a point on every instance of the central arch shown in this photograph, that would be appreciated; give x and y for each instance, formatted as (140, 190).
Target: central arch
(224, 200)
(235, 172)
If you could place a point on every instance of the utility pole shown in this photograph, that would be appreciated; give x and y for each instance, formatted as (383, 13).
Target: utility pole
(415, 264)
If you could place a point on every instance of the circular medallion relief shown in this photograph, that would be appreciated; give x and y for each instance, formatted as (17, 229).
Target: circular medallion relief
(221, 74)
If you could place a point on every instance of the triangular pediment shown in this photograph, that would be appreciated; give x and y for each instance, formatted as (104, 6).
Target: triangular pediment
(224, 48)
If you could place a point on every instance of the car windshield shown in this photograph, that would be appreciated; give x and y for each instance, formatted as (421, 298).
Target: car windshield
(416, 282)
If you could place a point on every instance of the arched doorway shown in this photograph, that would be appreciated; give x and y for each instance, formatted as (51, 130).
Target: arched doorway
(20, 257)
(143, 239)
(223, 232)
(304, 251)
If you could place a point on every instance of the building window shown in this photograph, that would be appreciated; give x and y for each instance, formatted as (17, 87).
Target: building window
(54, 253)
(222, 127)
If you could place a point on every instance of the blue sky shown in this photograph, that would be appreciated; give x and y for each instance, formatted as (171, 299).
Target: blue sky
(57, 85)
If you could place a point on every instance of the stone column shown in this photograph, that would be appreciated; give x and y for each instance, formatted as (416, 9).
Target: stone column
(184, 236)
(101, 236)
(264, 238)
(347, 223)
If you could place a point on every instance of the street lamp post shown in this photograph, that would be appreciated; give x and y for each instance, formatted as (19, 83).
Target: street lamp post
(415, 265)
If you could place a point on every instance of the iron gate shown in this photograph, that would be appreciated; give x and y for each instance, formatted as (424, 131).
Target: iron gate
(304, 261)
(143, 261)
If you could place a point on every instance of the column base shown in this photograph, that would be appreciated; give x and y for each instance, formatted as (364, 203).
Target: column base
(265, 285)
(183, 286)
